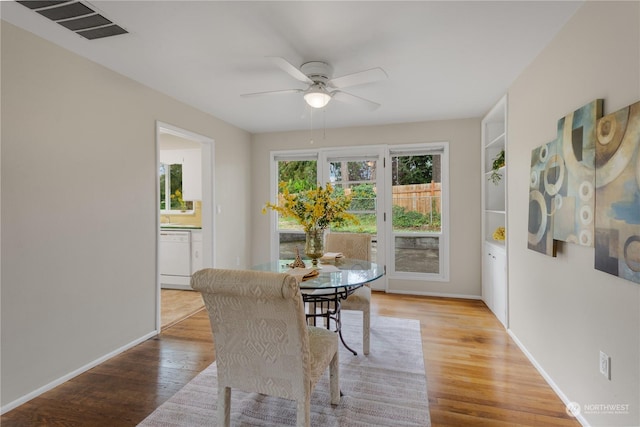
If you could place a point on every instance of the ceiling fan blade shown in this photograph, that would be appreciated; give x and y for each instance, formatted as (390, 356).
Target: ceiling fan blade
(272, 92)
(359, 78)
(353, 99)
(290, 69)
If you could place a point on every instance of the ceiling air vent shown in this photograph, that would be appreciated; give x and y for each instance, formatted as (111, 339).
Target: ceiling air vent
(77, 17)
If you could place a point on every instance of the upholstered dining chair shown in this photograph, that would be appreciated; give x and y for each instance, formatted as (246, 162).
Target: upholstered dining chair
(262, 341)
(358, 246)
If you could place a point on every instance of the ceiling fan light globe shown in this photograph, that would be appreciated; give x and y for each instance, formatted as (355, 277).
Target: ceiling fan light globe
(317, 99)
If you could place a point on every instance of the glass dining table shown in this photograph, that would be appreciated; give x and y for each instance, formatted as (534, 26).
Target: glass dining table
(335, 281)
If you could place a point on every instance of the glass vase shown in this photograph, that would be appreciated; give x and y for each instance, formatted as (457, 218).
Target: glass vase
(314, 245)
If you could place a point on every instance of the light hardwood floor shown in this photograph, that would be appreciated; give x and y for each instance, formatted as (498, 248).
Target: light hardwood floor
(176, 305)
(476, 375)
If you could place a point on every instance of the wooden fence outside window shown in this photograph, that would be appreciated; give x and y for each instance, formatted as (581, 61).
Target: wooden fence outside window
(423, 198)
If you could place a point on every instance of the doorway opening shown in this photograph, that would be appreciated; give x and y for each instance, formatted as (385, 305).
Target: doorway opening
(185, 219)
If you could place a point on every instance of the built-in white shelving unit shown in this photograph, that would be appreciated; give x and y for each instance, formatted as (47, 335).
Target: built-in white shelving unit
(494, 212)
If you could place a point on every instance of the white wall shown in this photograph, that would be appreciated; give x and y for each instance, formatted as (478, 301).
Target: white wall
(464, 162)
(79, 215)
(561, 309)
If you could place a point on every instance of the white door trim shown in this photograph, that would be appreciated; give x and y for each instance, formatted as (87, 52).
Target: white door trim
(208, 200)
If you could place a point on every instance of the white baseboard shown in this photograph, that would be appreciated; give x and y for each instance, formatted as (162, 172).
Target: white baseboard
(175, 282)
(24, 399)
(546, 376)
(178, 287)
(432, 294)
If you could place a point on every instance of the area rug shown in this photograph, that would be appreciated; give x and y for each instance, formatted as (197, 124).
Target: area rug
(386, 388)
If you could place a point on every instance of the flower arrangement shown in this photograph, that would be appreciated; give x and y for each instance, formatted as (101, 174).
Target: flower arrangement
(313, 209)
(499, 234)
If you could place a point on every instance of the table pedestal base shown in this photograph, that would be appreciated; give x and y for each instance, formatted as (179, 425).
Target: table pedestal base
(325, 305)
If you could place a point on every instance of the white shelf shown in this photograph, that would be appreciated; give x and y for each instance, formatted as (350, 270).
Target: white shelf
(497, 141)
(494, 212)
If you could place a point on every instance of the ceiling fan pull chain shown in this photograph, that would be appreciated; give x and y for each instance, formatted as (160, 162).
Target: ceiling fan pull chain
(310, 124)
(324, 124)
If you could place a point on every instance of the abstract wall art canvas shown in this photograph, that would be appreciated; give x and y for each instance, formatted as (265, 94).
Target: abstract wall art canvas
(617, 192)
(585, 188)
(574, 189)
(543, 180)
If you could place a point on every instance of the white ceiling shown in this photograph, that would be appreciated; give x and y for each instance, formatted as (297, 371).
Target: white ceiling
(445, 60)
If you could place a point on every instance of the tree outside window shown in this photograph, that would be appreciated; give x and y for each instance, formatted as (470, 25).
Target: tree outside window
(173, 187)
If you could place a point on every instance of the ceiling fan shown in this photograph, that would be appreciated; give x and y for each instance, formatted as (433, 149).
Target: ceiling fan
(322, 85)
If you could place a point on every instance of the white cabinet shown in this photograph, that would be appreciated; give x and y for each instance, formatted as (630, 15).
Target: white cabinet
(192, 175)
(494, 211)
(196, 250)
(494, 280)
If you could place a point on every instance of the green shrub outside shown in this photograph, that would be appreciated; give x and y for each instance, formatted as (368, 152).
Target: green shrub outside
(364, 199)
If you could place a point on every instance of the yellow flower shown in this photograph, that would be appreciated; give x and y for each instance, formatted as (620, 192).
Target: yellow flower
(499, 234)
(313, 209)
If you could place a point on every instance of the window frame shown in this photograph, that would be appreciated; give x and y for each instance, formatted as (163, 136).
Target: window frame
(388, 151)
(275, 157)
(442, 149)
(167, 184)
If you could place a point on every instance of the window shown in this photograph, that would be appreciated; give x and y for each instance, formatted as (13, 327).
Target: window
(299, 173)
(418, 196)
(171, 190)
(399, 193)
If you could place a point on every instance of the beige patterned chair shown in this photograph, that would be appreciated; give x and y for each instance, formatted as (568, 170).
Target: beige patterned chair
(358, 246)
(262, 341)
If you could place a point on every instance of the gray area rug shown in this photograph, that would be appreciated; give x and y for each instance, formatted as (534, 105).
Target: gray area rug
(386, 388)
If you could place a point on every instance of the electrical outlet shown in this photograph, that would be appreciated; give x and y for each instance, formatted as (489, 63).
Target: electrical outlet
(605, 365)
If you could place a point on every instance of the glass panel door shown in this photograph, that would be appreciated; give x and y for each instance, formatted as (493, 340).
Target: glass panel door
(362, 177)
(417, 189)
(358, 179)
(399, 194)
